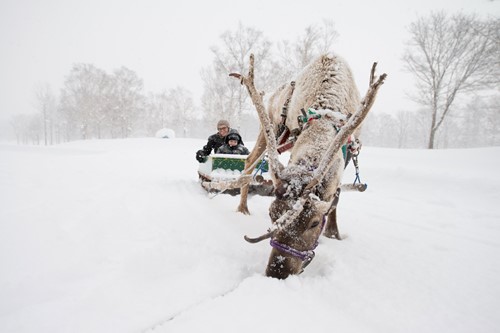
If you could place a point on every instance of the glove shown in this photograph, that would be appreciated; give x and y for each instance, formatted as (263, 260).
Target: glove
(200, 156)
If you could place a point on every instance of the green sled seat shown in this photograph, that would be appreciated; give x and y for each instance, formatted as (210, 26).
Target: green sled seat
(226, 166)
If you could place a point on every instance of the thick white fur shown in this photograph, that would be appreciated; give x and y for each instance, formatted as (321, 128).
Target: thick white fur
(327, 83)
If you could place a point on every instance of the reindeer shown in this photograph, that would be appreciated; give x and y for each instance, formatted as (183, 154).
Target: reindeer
(306, 190)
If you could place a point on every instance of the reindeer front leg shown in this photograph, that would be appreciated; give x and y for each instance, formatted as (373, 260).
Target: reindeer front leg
(331, 229)
(260, 146)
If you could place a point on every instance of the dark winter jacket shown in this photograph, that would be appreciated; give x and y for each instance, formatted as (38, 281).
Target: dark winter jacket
(239, 149)
(215, 141)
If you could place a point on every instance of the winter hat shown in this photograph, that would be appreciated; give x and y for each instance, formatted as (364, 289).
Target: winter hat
(223, 123)
(233, 136)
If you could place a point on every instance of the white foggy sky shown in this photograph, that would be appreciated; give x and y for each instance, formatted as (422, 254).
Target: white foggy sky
(167, 43)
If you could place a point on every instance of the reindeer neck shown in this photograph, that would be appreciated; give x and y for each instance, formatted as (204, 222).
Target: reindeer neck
(314, 140)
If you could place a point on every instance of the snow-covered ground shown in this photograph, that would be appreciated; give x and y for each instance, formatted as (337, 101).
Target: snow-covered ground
(118, 236)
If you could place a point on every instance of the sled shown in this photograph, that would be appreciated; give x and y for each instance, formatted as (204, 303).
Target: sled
(220, 169)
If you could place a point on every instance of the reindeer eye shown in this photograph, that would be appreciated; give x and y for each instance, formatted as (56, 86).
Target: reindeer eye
(314, 224)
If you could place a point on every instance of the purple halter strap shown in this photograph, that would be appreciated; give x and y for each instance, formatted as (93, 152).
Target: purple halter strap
(306, 255)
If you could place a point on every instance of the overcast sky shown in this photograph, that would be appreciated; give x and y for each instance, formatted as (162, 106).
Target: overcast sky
(167, 43)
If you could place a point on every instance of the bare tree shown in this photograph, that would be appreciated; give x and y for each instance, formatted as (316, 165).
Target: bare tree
(155, 115)
(294, 56)
(180, 103)
(35, 128)
(450, 56)
(127, 100)
(46, 105)
(479, 123)
(20, 124)
(224, 97)
(81, 98)
(379, 130)
(217, 101)
(403, 123)
(493, 121)
(316, 39)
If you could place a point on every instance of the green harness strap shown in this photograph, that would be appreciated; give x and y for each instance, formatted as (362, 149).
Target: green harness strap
(313, 115)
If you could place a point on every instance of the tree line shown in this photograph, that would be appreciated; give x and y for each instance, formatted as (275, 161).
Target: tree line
(454, 59)
(94, 104)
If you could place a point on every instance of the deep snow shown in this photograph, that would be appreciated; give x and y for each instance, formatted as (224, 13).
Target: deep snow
(118, 236)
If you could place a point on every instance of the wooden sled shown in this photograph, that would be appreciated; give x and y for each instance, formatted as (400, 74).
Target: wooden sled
(218, 173)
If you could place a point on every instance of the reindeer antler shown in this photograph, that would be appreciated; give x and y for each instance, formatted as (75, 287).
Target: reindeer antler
(267, 126)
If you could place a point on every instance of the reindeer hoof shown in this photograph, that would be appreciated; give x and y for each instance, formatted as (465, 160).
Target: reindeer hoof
(244, 210)
(332, 235)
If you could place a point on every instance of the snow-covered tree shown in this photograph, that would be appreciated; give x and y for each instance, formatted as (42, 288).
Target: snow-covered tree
(126, 101)
(82, 99)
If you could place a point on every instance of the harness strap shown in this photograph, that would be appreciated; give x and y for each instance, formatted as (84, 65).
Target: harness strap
(302, 255)
(286, 146)
(284, 112)
(284, 136)
(306, 255)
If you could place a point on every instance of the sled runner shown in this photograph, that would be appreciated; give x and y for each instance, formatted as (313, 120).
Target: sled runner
(220, 169)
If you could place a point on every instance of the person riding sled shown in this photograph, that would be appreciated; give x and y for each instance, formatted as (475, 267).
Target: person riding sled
(216, 140)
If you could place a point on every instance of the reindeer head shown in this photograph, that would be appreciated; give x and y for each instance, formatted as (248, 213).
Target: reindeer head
(297, 229)
(298, 217)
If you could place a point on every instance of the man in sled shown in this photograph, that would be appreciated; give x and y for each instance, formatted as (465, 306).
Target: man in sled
(216, 140)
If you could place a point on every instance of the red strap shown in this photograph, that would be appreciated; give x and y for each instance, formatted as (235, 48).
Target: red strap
(284, 136)
(284, 147)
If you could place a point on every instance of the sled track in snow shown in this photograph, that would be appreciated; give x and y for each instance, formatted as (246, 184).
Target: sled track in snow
(159, 324)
